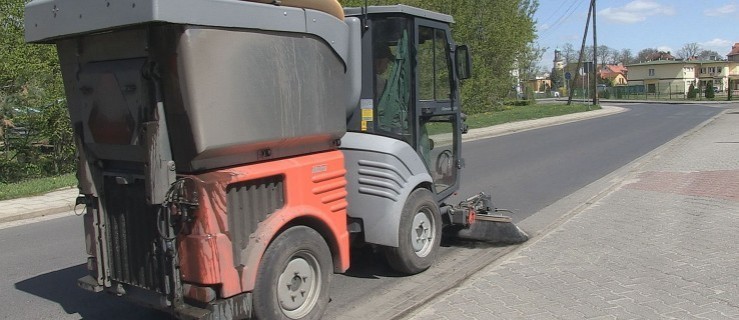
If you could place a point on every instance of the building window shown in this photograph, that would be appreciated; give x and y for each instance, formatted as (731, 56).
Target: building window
(651, 72)
(703, 70)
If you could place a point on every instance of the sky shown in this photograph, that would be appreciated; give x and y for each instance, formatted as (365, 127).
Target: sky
(638, 24)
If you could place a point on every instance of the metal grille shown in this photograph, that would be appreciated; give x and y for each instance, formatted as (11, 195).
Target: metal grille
(132, 236)
(381, 179)
(249, 203)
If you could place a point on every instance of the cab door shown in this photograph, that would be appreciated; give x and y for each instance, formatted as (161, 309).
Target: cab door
(437, 106)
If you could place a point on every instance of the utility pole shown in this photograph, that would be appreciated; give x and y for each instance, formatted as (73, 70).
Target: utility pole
(582, 51)
(595, 59)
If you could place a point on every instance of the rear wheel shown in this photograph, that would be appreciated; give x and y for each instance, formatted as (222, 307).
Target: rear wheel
(293, 277)
(419, 234)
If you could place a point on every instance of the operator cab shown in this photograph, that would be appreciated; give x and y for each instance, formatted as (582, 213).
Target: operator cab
(410, 86)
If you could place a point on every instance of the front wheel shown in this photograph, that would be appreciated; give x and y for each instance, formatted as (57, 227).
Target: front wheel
(294, 276)
(419, 234)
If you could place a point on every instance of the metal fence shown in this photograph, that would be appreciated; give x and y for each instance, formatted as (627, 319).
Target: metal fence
(659, 91)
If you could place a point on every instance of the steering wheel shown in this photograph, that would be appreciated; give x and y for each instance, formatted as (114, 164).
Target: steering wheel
(444, 163)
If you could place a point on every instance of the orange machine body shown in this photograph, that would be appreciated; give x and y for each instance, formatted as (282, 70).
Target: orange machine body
(315, 195)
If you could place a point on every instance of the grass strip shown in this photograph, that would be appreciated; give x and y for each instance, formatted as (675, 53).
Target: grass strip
(36, 187)
(520, 113)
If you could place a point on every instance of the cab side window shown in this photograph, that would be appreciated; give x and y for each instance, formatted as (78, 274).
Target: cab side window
(392, 82)
(433, 65)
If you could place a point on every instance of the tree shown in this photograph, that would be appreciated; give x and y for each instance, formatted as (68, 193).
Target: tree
(689, 50)
(587, 55)
(557, 78)
(613, 58)
(528, 61)
(710, 93)
(499, 35)
(692, 94)
(604, 55)
(707, 54)
(33, 98)
(730, 91)
(625, 57)
(569, 53)
(646, 54)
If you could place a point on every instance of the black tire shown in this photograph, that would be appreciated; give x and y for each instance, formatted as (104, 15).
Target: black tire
(419, 234)
(293, 277)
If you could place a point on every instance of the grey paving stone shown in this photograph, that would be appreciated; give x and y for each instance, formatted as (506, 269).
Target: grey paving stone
(663, 245)
(714, 315)
(682, 314)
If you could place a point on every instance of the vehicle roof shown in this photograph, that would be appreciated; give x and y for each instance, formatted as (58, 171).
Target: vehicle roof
(402, 9)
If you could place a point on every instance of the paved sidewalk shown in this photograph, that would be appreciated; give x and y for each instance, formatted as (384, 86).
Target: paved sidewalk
(661, 244)
(32, 207)
(62, 201)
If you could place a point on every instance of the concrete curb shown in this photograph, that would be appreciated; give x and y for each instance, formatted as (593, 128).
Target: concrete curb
(63, 200)
(37, 213)
(513, 127)
(703, 102)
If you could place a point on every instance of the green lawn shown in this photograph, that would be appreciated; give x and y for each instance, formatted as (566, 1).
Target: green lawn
(36, 186)
(507, 114)
(520, 113)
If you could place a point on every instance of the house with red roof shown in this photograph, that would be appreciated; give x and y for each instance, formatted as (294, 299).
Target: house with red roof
(668, 77)
(615, 73)
(661, 55)
(733, 58)
(734, 54)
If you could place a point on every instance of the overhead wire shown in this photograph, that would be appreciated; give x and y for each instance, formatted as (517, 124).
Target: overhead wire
(554, 12)
(574, 6)
(571, 9)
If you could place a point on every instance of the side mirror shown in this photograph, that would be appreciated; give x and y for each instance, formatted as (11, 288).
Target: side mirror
(463, 61)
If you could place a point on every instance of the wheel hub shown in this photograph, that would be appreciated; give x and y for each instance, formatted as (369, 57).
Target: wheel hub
(422, 234)
(298, 287)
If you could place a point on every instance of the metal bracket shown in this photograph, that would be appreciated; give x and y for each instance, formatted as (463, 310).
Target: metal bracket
(160, 169)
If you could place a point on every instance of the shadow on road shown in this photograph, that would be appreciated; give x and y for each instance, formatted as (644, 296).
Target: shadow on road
(61, 287)
(369, 263)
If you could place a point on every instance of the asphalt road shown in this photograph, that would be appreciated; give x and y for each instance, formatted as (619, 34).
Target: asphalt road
(530, 170)
(526, 172)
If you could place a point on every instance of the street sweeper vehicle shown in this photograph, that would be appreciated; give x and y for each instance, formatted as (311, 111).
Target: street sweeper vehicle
(231, 152)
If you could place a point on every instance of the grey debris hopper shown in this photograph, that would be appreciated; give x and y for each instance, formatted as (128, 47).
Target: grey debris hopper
(240, 82)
